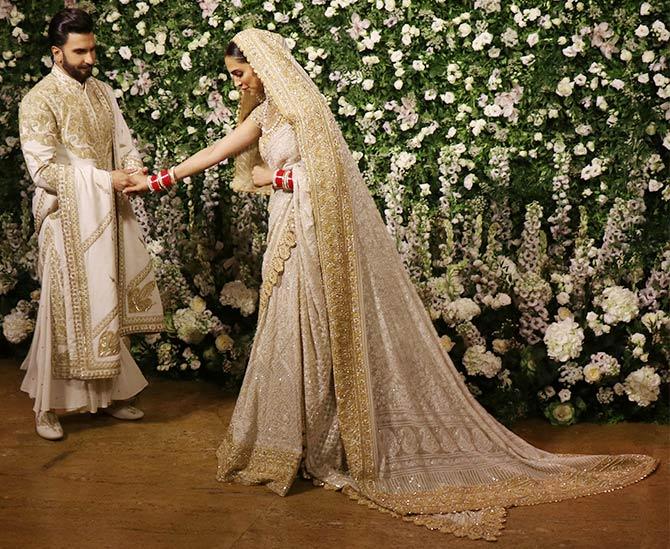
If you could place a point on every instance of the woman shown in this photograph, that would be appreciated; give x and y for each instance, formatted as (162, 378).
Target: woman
(347, 378)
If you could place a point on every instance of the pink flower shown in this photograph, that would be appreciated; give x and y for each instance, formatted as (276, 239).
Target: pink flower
(358, 25)
(208, 7)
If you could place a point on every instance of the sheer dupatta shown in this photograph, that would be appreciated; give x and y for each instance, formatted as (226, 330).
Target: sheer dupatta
(417, 443)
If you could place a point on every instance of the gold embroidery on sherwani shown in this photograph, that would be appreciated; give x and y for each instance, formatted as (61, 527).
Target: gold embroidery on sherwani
(83, 364)
(72, 135)
(417, 443)
(139, 298)
(60, 361)
(109, 344)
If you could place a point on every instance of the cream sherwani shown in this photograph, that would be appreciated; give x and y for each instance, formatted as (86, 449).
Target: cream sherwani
(97, 278)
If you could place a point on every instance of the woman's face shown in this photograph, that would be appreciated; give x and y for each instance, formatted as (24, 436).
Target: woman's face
(244, 76)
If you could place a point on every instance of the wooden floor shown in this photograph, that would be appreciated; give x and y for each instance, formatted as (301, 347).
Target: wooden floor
(151, 484)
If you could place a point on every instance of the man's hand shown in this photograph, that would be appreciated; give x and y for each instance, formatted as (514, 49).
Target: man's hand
(122, 179)
(262, 176)
(138, 184)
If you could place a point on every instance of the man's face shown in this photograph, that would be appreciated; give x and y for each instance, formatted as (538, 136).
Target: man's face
(77, 56)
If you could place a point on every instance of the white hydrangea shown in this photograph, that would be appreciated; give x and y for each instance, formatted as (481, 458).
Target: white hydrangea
(478, 361)
(191, 326)
(17, 326)
(460, 310)
(642, 386)
(619, 304)
(593, 321)
(236, 294)
(564, 340)
(654, 321)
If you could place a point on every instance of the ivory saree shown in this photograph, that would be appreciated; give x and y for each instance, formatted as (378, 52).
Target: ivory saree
(347, 377)
(97, 281)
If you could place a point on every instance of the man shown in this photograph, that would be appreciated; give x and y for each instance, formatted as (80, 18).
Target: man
(97, 280)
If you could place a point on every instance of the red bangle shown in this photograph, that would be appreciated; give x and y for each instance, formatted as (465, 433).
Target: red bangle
(161, 181)
(153, 183)
(277, 179)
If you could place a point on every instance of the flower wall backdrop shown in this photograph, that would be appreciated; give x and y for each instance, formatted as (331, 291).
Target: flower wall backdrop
(518, 152)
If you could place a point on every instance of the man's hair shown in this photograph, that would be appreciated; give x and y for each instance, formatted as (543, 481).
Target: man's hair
(67, 21)
(233, 50)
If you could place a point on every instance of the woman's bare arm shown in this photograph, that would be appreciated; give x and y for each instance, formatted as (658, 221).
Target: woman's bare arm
(235, 142)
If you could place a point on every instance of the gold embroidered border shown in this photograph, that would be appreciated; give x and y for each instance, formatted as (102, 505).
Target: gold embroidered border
(281, 254)
(60, 360)
(39, 214)
(255, 465)
(483, 524)
(131, 161)
(607, 474)
(82, 363)
(105, 322)
(153, 323)
(101, 229)
(301, 103)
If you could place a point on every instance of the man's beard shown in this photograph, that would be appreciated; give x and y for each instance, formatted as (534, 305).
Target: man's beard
(80, 73)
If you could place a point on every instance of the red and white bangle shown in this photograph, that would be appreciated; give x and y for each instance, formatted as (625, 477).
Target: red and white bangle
(283, 180)
(161, 181)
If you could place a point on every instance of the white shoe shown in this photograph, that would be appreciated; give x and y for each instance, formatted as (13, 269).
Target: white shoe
(48, 426)
(127, 412)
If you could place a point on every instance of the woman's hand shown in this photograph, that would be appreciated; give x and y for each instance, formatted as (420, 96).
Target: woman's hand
(138, 183)
(262, 176)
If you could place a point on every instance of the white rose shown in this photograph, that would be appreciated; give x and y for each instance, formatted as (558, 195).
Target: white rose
(464, 30)
(617, 84)
(642, 31)
(638, 339)
(626, 55)
(418, 65)
(448, 98)
(500, 346)
(592, 373)
(469, 181)
(564, 87)
(648, 56)
(186, 62)
(563, 298)
(564, 395)
(447, 343)
(223, 343)
(125, 53)
(198, 304)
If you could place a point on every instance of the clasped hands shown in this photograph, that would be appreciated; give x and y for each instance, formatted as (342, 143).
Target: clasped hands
(129, 180)
(132, 180)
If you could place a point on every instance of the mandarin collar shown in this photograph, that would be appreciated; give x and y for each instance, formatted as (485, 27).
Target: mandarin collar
(66, 79)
